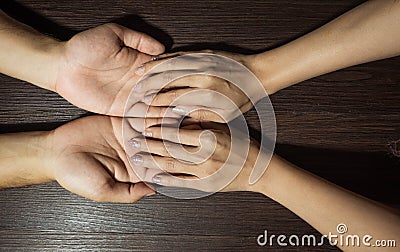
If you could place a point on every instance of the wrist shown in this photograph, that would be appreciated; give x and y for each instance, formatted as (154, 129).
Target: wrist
(23, 158)
(34, 57)
(52, 54)
(270, 181)
(46, 155)
(263, 68)
(38, 153)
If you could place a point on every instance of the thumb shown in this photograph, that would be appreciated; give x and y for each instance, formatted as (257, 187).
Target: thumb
(126, 192)
(137, 40)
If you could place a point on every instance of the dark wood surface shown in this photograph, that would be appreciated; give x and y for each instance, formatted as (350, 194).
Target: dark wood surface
(343, 126)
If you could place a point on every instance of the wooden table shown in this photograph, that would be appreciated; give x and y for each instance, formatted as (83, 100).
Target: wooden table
(342, 126)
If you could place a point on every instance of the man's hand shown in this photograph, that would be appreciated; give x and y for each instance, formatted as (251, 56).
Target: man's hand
(87, 158)
(98, 67)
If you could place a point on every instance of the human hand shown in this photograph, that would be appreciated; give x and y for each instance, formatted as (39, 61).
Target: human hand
(98, 67)
(206, 149)
(87, 158)
(194, 91)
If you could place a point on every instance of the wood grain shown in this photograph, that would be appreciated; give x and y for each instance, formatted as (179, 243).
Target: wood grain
(339, 126)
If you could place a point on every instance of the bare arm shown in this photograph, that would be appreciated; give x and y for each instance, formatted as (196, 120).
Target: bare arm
(22, 159)
(84, 156)
(325, 205)
(28, 55)
(367, 33)
(94, 70)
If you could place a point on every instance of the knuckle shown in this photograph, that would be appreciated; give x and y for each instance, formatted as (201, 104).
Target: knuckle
(171, 164)
(173, 94)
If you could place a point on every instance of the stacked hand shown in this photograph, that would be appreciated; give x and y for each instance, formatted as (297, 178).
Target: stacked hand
(193, 90)
(196, 152)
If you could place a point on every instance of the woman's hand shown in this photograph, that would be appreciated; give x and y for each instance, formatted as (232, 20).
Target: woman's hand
(205, 150)
(87, 157)
(205, 105)
(98, 67)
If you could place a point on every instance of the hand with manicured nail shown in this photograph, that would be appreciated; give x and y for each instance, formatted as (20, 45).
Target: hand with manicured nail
(98, 68)
(196, 153)
(194, 91)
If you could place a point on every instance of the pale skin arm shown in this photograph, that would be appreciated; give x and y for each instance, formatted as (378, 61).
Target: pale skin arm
(320, 203)
(325, 205)
(367, 33)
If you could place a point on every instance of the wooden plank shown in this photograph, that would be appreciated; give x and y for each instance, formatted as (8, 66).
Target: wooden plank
(349, 117)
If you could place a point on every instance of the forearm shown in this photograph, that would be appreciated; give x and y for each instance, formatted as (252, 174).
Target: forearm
(367, 33)
(325, 205)
(28, 55)
(23, 159)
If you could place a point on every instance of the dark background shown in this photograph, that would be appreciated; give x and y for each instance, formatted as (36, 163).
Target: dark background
(342, 126)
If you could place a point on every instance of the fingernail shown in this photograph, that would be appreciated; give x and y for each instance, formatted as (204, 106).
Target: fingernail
(140, 70)
(180, 111)
(156, 179)
(147, 99)
(134, 143)
(137, 159)
(147, 133)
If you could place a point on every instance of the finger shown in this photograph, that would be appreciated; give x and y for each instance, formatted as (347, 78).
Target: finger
(160, 59)
(140, 124)
(176, 135)
(169, 164)
(186, 96)
(215, 126)
(203, 115)
(143, 174)
(144, 111)
(183, 181)
(170, 55)
(149, 146)
(123, 192)
(172, 69)
(176, 76)
(167, 98)
(174, 54)
(192, 127)
(137, 40)
(165, 149)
